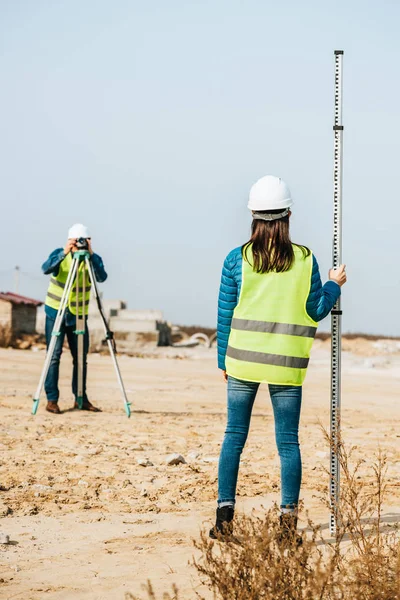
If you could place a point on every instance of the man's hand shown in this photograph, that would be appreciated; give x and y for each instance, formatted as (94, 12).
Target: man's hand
(89, 243)
(225, 376)
(70, 247)
(338, 275)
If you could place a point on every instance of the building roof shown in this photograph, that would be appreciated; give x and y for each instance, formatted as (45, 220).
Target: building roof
(17, 299)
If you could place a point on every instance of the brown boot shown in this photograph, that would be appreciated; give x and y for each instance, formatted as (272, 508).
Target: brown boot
(52, 407)
(88, 406)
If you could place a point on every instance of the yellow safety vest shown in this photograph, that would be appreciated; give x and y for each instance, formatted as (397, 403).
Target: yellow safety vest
(57, 285)
(271, 333)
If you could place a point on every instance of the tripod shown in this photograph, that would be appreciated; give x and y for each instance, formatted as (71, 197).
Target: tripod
(80, 257)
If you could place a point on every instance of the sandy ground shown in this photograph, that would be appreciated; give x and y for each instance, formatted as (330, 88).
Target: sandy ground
(86, 521)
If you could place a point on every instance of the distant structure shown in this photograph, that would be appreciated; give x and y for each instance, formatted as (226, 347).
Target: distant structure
(133, 329)
(17, 316)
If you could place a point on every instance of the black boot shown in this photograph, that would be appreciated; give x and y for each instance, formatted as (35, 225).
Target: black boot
(288, 530)
(223, 525)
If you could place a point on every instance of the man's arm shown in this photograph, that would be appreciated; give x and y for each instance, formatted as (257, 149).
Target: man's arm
(98, 268)
(52, 265)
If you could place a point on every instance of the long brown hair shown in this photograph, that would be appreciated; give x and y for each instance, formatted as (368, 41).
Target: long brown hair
(271, 246)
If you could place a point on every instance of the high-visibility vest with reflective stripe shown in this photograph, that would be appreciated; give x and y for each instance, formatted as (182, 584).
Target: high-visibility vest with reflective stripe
(271, 333)
(57, 285)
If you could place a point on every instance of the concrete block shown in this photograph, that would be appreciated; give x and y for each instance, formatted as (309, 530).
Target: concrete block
(108, 305)
(120, 324)
(141, 315)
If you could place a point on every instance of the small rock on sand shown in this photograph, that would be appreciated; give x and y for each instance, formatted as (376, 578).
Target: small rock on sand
(94, 451)
(175, 459)
(144, 462)
(42, 488)
(4, 538)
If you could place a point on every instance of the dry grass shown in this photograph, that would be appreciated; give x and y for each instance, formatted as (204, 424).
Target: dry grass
(152, 596)
(362, 563)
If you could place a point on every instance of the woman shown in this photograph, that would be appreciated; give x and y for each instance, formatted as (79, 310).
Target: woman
(271, 298)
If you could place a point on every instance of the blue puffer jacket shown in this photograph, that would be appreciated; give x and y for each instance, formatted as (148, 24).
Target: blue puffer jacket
(320, 301)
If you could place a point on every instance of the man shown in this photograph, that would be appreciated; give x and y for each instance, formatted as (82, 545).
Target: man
(58, 266)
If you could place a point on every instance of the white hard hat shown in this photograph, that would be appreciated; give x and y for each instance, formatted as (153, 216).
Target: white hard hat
(78, 231)
(269, 193)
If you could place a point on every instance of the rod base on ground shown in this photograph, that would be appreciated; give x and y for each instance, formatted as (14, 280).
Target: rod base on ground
(128, 409)
(79, 401)
(35, 406)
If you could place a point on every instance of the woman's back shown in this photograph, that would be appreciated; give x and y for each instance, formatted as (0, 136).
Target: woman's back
(319, 302)
(271, 333)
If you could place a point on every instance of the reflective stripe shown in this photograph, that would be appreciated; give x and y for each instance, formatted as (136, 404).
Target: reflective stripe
(62, 285)
(81, 290)
(56, 282)
(58, 298)
(53, 296)
(278, 360)
(270, 327)
(80, 302)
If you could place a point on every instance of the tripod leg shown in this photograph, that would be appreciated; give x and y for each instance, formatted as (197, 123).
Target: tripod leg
(127, 404)
(45, 370)
(80, 332)
(55, 334)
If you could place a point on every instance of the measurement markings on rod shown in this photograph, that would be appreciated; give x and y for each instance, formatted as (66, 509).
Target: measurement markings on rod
(336, 312)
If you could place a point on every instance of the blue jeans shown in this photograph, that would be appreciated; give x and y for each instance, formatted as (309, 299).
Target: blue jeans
(286, 402)
(51, 383)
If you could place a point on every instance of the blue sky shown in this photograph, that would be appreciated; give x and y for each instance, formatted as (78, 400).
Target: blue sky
(150, 121)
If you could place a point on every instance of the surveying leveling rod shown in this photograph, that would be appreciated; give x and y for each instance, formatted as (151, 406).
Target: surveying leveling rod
(334, 484)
